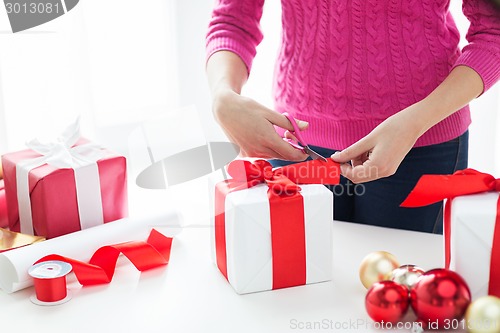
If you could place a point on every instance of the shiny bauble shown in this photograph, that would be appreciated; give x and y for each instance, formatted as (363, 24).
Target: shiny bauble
(483, 315)
(387, 301)
(439, 297)
(377, 266)
(407, 275)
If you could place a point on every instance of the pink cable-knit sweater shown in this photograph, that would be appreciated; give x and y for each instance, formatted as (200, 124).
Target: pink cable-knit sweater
(346, 65)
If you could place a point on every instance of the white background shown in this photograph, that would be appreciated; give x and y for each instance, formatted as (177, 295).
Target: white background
(118, 63)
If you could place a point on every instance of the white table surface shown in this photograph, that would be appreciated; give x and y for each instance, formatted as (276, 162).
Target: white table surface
(190, 295)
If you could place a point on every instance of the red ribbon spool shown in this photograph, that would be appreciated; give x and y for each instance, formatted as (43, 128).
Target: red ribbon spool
(50, 282)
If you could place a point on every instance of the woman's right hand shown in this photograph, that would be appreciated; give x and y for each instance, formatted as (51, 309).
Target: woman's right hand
(249, 125)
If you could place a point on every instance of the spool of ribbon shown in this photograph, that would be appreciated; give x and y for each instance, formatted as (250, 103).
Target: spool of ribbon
(62, 153)
(434, 188)
(50, 282)
(287, 211)
(144, 255)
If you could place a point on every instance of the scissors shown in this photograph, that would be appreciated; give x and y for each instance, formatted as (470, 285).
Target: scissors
(301, 144)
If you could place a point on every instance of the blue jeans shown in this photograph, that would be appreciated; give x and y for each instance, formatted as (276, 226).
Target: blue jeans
(377, 202)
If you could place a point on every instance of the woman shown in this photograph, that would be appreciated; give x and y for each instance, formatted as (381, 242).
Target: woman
(381, 86)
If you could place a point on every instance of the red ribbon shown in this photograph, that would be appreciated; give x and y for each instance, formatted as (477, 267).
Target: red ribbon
(153, 253)
(287, 211)
(434, 188)
(51, 290)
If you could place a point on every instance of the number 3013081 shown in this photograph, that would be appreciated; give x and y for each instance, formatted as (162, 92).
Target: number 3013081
(32, 8)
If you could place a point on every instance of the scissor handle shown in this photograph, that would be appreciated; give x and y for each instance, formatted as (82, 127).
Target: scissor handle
(296, 130)
(305, 148)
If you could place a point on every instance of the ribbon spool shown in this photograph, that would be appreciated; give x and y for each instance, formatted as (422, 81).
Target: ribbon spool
(50, 282)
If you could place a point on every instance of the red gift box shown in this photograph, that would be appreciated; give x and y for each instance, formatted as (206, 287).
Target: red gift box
(59, 199)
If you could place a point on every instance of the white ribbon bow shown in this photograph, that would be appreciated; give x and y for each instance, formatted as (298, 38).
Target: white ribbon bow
(63, 154)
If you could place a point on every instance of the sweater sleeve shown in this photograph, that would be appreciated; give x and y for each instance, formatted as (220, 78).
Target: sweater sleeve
(235, 26)
(483, 51)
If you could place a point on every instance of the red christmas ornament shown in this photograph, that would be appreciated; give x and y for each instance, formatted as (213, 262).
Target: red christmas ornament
(440, 296)
(387, 301)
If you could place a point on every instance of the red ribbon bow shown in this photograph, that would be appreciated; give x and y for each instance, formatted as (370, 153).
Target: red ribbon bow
(287, 212)
(247, 174)
(434, 188)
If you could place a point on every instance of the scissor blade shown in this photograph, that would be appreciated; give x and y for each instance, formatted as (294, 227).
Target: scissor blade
(314, 155)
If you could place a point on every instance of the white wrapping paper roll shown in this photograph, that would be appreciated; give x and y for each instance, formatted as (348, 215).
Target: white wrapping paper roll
(80, 245)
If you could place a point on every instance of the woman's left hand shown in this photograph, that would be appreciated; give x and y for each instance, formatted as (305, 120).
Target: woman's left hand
(380, 153)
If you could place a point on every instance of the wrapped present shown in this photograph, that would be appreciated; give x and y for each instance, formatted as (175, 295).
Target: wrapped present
(65, 186)
(471, 225)
(269, 232)
(4, 222)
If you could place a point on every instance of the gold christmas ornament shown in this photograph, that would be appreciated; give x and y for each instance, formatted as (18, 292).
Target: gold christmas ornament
(377, 266)
(483, 315)
(407, 275)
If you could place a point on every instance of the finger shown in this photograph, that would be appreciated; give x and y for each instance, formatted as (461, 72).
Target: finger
(302, 124)
(264, 153)
(290, 136)
(267, 153)
(361, 173)
(282, 121)
(288, 152)
(296, 156)
(361, 159)
(353, 152)
(274, 146)
(356, 162)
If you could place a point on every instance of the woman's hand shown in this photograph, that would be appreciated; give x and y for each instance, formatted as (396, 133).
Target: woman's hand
(249, 125)
(380, 153)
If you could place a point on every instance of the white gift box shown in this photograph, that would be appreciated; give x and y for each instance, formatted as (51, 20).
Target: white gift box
(472, 227)
(248, 236)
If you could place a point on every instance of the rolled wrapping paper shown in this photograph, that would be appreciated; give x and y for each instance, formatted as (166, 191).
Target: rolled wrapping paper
(80, 245)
